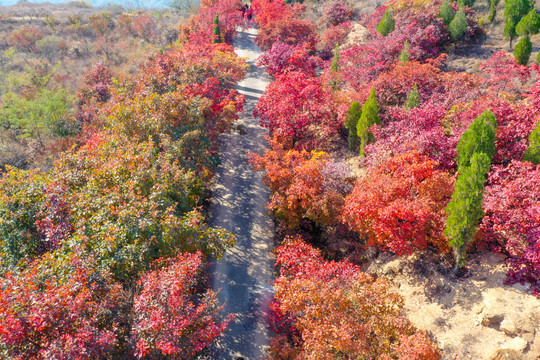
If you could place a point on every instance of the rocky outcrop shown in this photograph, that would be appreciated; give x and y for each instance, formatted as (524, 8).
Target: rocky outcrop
(474, 317)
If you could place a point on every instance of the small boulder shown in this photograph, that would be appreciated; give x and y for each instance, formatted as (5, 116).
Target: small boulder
(490, 319)
(512, 350)
(509, 327)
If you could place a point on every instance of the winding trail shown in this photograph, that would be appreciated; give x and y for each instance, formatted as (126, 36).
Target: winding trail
(243, 275)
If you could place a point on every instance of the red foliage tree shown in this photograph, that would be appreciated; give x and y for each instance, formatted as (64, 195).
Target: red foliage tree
(400, 205)
(337, 309)
(172, 318)
(298, 111)
(50, 317)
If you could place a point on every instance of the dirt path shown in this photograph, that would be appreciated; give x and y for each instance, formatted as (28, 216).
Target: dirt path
(243, 276)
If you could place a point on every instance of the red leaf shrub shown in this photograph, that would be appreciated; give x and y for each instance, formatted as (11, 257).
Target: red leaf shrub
(339, 309)
(304, 185)
(283, 58)
(337, 12)
(49, 317)
(400, 205)
(290, 31)
(270, 11)
(333, 36)
(414, 130)
(172, 318)
(25, 38)
(512, 219)
(503, 73)
(200, 27)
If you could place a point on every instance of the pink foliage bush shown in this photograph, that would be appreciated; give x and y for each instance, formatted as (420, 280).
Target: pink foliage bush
(417, 129)
(512, 219)
(51, 318)
(337, 12)
(283, 58)
(503, 73)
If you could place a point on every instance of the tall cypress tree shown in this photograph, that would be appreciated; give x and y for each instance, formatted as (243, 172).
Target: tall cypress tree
(465, 209)
(217, 31)
(529, 24)
(353, 115)
(523, 49)
(369, 117)
(479, 138)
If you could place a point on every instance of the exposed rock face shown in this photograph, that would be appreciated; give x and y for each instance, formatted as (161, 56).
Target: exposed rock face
(475, 317)
(359, 34)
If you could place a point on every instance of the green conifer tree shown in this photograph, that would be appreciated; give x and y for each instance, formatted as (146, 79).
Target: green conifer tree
(479, 138)
(468, 3)
(369, 117)
(412, 98)
(493, 9)
(514, 10)
(465, 209)
(529, 24)
(353, 115)
(405, 56)
(387, 24)
(458, 25)
(336, 60)
(523, 49)
(533, 151)
(446, 12)
(217, 31)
